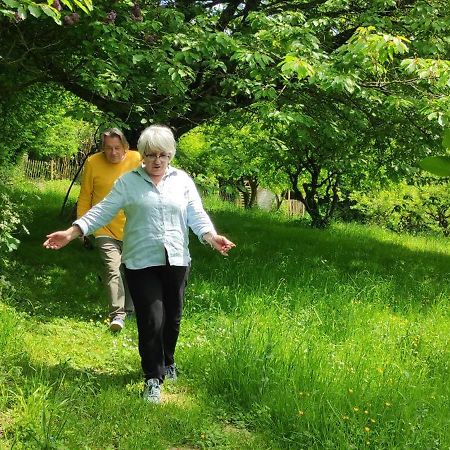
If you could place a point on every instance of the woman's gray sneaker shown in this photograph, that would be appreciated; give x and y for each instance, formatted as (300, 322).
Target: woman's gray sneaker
(170, 372)
(152, 391)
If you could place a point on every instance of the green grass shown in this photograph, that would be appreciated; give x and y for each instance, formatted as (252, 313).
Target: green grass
(299, 339)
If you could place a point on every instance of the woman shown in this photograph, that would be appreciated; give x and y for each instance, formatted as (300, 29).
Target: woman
(160, 204)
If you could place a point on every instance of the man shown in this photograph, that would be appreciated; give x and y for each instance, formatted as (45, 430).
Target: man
(100, 172)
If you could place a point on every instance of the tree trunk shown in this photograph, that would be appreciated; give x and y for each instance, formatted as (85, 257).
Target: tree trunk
(319, 206)
(253, 183)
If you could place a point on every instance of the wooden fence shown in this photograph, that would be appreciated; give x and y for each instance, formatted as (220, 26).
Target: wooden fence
(55, 169)
(294, 207)
(65, 168)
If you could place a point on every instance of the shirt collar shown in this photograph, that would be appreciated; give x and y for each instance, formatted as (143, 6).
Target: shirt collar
(141, 171)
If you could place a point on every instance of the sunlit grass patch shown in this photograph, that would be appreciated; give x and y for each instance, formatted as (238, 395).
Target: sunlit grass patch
(299, 339)
(84, 346)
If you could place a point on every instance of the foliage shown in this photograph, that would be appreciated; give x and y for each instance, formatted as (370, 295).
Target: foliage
(14, 213)
(354, 114)
(408, 208)
(236, 153)
(346, 89)
(184, 62)
(192, 150)
(19, 10)
(438, 165)
(54, 132)
(9, 224)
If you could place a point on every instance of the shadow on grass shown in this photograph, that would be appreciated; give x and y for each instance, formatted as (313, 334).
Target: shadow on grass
(48, 284)
(271, 254)
(275, 258)
(97, 380)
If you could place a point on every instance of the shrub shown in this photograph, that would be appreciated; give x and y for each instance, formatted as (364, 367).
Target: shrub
(14, 211)
(407, 208)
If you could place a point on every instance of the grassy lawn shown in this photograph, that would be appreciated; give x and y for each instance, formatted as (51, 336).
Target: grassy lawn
(300, 339)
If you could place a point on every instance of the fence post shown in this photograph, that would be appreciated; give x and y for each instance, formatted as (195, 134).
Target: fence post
(25, 163)
(52, 168)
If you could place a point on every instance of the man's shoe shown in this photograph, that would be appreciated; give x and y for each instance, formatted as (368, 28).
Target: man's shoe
(116, 324)
(170, 372)
(152, 391)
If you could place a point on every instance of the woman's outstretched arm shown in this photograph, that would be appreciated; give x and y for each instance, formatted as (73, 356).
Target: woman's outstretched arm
(60, 239)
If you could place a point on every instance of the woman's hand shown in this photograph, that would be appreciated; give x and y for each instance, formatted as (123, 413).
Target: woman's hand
(60, 239)
(220, 243)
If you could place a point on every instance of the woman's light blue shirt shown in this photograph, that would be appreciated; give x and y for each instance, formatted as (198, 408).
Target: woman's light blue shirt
(158, 217)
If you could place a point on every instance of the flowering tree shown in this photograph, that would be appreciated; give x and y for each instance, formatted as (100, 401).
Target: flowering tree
(337, 81)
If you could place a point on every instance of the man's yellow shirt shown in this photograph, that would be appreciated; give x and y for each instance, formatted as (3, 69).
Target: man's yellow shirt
(99, 176)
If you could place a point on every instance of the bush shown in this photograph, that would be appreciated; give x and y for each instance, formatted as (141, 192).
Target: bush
(407, 208)
(13, 214)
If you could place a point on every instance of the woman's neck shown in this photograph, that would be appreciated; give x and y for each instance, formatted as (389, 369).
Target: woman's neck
(156, 179)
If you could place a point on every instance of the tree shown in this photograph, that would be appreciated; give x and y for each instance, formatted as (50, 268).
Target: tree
(40, 121)
(378, 71)
(237, 153)
(357, 103)
(183, 62)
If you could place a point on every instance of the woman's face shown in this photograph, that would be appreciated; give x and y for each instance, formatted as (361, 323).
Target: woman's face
(156, 162)
(113, 149)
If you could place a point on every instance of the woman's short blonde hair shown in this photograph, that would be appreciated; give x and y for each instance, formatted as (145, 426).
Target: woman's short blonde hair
(159, 138)
(115, 132)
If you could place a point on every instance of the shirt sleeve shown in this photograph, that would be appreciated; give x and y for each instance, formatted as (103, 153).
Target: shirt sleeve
(103, 212)
(197, 218)
(84, 201)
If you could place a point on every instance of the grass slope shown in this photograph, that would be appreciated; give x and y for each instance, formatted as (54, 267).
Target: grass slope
(299, 339)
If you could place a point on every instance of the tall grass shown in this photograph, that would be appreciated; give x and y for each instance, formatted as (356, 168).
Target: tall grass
(299, 339)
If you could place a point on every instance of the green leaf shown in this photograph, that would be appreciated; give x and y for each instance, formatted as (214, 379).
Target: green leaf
(68, 4)
(437, 165)
(34, 10)
(6, 12)
(89, 5)
(11, 3)
(446, 139)
(81, 6)
(22, 12)
(49, 11)
(137, 58)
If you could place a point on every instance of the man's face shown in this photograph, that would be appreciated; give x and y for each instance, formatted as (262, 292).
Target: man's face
(113, 149)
